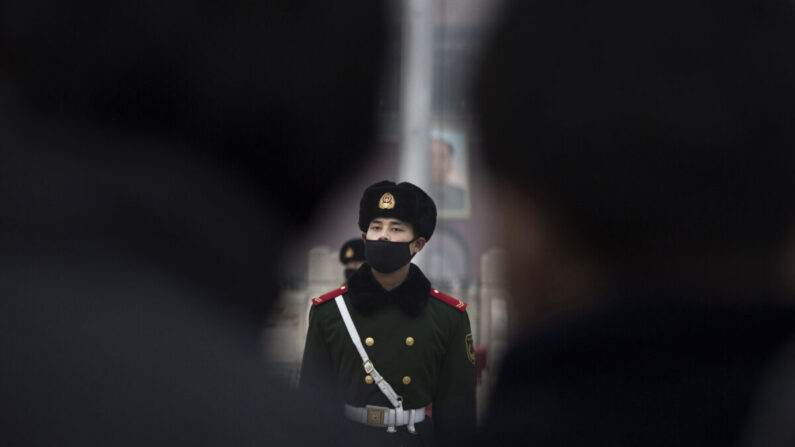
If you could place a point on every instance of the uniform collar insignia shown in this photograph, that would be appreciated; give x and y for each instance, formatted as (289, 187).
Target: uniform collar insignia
(367, 295)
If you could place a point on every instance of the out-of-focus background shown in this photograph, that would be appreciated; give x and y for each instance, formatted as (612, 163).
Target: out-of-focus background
(427, 137)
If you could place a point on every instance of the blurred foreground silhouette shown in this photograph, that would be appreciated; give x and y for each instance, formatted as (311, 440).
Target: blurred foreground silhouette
(644, 158)
(152, 158)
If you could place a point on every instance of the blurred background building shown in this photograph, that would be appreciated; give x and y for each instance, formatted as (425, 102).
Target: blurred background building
(426, 137)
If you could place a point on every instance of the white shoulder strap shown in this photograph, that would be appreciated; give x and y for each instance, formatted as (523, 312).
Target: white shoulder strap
(383, 385)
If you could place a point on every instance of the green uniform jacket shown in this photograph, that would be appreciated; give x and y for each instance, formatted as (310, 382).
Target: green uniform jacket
(417, 338)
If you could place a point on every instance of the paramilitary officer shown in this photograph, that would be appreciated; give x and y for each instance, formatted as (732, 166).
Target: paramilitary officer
(352, 256)
(405, 346)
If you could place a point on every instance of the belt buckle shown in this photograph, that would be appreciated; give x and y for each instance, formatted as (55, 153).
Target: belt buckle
(376, 416)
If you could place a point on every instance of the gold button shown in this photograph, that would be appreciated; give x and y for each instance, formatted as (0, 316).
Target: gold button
(368, 379)
(343, 287)
(406, 380)
(435, 290)
(369, 341)
(409, 341)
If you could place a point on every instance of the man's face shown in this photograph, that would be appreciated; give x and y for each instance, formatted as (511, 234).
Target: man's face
(441, 162)
(389, 229)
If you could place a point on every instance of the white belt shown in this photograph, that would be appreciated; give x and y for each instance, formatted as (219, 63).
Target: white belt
(384, 416)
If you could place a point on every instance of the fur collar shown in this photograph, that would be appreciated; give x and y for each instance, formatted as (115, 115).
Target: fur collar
(367, 295)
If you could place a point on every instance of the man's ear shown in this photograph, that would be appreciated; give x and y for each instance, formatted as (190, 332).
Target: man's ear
(419, 244)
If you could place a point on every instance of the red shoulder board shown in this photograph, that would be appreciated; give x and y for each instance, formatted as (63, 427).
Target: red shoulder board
(447, 299)
(328, 296)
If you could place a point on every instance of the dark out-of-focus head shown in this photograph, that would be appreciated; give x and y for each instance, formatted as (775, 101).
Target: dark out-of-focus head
(187, 133)
(658, 129)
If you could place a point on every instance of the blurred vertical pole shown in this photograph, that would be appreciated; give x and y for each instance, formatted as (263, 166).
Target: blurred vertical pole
(417, 83)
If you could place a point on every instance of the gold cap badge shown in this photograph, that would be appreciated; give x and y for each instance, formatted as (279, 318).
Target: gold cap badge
(387, 201)
(349, 252)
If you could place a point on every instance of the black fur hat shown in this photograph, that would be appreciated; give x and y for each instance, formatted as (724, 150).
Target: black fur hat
(402, 201)
(353, 250)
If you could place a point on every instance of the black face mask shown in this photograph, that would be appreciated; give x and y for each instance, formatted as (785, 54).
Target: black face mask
(349, 273)
(386, 256)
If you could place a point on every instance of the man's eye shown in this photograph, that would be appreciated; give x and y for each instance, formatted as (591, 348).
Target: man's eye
(374, 227)
(397, 229)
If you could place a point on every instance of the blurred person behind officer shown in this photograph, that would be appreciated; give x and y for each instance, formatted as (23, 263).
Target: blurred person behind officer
(144, 152)
(404, 345)
(643, 161)
(352, 256)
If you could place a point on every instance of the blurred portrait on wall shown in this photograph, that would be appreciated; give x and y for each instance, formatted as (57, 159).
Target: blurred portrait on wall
(449, 176)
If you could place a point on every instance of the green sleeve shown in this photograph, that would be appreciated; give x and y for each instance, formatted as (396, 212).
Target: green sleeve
(317, 367)
(454, 403)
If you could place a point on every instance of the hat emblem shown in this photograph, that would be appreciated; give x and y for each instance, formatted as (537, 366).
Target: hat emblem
(349, 252)
(387, 201)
